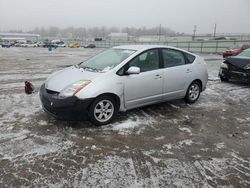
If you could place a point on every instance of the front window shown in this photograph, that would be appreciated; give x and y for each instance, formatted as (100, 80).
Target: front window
(147, 61)
(106, 60)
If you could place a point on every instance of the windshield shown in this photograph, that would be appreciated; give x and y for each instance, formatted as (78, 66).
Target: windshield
(106, 60)
(245, 53)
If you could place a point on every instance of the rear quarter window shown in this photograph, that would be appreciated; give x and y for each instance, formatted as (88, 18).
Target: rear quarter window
(190, 58)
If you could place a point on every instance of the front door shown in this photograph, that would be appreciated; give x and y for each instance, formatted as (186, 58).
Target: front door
(147, 86)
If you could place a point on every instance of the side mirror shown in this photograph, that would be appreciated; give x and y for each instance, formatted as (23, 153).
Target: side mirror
(133, 70)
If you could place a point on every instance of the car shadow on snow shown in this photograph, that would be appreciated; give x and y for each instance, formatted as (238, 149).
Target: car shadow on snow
(154, 112)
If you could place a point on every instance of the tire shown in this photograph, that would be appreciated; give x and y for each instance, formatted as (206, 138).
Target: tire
(103, 110)
(193, 92)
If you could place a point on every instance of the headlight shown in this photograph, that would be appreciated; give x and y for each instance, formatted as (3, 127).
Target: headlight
(224, 65)
(74, 88)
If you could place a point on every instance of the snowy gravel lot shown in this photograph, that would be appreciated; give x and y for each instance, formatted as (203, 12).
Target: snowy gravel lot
(173, 144)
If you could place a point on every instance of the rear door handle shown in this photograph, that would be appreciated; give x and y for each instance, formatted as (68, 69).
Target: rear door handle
(188, 71)
(157, 76)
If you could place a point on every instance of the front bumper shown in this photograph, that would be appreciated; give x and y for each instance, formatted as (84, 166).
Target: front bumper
(234, 74)
(64, 108)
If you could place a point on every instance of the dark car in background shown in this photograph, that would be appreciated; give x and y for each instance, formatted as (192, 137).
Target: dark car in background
(49, 45)
(90, 46)
(235, 50)
(236, 67)
(6, 44)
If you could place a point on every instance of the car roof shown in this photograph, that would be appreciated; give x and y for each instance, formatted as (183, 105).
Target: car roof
(145, 47)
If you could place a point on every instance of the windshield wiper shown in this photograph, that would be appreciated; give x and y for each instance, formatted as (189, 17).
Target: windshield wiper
(90, 69)
(76, 66)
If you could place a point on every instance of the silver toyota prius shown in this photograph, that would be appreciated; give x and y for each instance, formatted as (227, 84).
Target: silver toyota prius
(122, 78)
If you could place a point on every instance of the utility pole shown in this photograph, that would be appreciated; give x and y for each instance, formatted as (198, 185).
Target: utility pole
(127, 30)
(159, 32)
(194, 31)
(215, 30)
(103, 32)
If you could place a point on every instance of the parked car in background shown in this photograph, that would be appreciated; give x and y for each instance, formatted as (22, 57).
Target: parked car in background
(40, 44)
(123, 78)
(90, 46)
(74, 45)
(49, 45)
(62, 45)
(236, 68)
(29, 45)
(18, 44)
(235, 50)
(6, 45)
(59, 43)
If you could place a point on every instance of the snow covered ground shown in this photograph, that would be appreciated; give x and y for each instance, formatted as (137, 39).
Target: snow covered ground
(165, 145)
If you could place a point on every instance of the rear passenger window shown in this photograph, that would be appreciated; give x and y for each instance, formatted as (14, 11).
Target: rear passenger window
(173, 58)
(146, 61)
(190, 58)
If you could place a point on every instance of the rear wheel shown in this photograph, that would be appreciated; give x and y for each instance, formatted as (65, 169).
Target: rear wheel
(193, 92)
(102, 110)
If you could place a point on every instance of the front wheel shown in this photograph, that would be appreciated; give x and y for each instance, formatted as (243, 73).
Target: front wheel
(193, 92)
(102, 110)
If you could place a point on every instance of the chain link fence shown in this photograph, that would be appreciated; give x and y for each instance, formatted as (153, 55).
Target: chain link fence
(193, 46)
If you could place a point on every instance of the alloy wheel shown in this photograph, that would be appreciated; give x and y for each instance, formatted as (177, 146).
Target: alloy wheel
(103, 110)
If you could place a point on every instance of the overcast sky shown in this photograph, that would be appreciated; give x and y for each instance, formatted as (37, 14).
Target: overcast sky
(231, 16)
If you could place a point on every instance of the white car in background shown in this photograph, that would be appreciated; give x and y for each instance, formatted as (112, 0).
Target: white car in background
(123, 78)
(29, 45)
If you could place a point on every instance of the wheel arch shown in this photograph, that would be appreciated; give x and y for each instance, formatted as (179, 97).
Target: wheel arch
(114, 96)
(199, 81)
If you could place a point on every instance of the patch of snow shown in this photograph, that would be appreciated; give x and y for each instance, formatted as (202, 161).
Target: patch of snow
(155, 159)
(131, 124)
(159, 138)
(112, 171)
(93, 147)
(24, 144)
(20, 106)
(185, 129)
(87, 138)
(220, 145)
(204, 149)
(13, 136)
(168, 146)
(187, 142)
(174, 106)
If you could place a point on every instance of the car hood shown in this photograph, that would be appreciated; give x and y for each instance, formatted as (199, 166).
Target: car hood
(238, 61)
(61, 79)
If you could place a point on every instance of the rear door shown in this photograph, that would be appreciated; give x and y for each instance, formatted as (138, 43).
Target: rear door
(147, 86)
(177, 74)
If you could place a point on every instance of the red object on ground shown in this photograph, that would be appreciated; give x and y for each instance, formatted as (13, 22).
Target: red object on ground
(29, 88)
